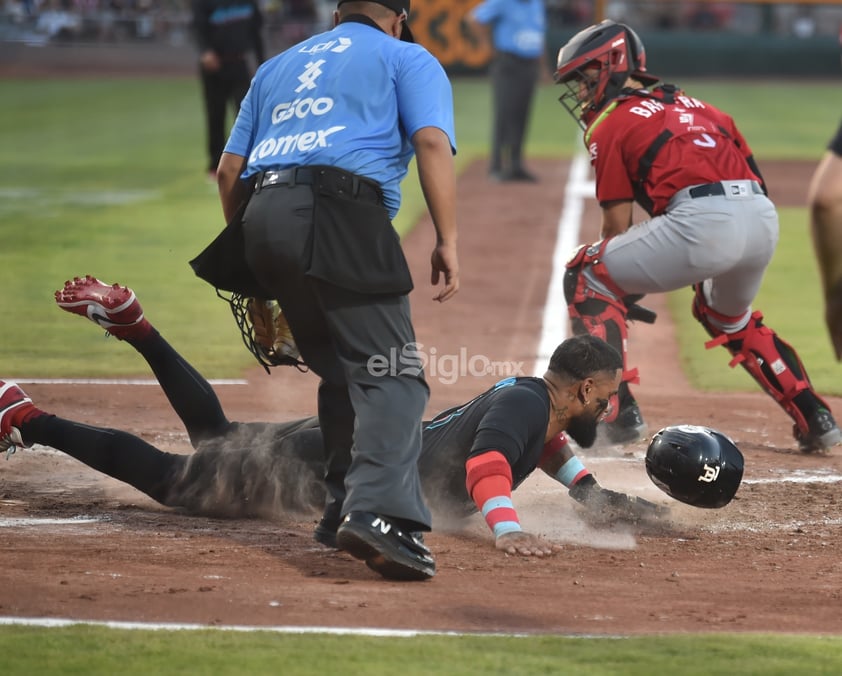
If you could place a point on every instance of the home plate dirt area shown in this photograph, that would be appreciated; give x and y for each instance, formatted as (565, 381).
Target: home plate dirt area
(75, 544)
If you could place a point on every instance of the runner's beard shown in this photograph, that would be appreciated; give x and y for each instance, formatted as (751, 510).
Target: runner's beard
(582, 429)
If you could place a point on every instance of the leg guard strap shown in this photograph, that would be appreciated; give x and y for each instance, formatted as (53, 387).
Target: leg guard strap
(574, 283)
(772, 362)
(605, 319)
(593, 312)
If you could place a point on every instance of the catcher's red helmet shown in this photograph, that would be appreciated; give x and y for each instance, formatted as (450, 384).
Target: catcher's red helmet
(594, 66)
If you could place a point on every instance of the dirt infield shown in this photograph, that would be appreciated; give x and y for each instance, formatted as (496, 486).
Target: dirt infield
(767, 562)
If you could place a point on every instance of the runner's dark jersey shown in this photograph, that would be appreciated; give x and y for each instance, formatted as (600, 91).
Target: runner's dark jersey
(511, 417)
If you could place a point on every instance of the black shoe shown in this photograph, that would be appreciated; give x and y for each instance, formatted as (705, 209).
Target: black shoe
(523, 176)
(823, 433)
(325, 533)
(384, 547)
(626, 428)
(512, 176)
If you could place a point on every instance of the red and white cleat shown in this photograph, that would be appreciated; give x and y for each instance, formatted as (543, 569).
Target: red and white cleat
(15, 409)
(113, 307)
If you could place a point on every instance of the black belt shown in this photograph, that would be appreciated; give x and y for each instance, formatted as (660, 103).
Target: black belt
(335, 180)
(712, 189)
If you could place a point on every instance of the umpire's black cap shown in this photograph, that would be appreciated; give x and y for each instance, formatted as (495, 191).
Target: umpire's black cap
(398, 7)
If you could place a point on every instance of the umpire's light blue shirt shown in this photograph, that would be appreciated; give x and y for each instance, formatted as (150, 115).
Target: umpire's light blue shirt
(517, 26)
(351, 98)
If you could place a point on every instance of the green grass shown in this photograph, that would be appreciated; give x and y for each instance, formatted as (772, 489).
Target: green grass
(95, 650)
(105, 177)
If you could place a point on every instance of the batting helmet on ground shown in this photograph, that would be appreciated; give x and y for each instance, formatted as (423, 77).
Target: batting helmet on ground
(695, 465)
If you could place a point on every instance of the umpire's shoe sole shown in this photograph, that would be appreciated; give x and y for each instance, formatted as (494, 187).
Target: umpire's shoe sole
(384, 547)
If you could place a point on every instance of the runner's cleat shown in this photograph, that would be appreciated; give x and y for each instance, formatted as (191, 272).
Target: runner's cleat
(15, 409)
(115, 308)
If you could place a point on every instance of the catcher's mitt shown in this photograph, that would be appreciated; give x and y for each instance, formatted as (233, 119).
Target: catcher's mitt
(265, 331)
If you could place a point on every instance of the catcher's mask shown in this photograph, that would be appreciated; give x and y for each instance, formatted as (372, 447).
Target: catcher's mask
(594, 66)
(695, 465)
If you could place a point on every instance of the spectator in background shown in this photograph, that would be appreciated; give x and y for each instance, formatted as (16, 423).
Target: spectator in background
(708, 16)
(300, 20)
(568, 12)
(226, 31)
(516, 30)
(57, 22)
(804, 23)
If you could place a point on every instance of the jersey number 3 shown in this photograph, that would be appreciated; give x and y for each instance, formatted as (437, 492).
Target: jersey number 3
(706, 141)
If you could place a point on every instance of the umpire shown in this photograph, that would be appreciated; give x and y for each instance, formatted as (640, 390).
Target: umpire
(516, 30)
(226, 32)
(325, 135)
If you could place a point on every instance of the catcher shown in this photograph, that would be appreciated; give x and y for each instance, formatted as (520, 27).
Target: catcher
(473, 455)
(712, 225)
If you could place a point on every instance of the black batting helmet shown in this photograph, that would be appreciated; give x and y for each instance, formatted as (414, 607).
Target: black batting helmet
(612, 48)
(695, 465)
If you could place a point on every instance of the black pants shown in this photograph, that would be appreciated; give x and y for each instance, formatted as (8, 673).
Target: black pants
(226, 86)
(371, 422)
(513, 82)
(239, 469)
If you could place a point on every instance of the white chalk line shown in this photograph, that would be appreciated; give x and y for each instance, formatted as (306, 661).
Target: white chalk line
(797, 479)
(58, 622)
(19, 197)
(554, 325)
(28, 521)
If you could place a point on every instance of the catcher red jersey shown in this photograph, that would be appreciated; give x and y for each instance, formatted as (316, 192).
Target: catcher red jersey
(687, 141)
